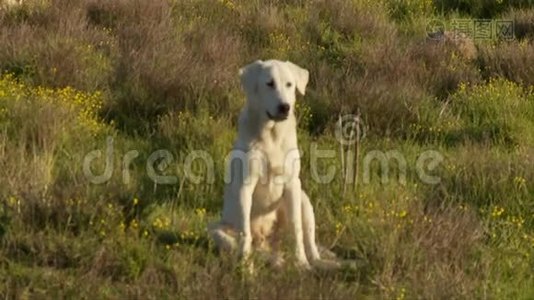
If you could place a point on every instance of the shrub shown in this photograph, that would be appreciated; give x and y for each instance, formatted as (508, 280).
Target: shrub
(59, 50)
(498, 112)
(523, 22)
(480, 9)
(45, 133)
(411, 9)
(43, 116)
(443, 65)
(510, 60)
(169, 62)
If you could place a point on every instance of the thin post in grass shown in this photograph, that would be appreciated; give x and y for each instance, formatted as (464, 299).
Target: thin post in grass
(346, 166)
(357, 148)
(349, 169)
(341, 148)
(349, 158)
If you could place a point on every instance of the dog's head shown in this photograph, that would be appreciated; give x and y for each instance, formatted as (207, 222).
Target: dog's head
(271, 85)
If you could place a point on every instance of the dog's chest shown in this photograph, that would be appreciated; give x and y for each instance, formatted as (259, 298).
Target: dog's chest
(274, 159)
(268, 193)
(272, 179)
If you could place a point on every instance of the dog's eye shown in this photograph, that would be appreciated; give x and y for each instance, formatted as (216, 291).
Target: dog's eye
(289, 84)
(270, 84)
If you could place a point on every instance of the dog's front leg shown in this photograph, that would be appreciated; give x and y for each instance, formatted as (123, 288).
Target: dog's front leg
(294, 197)
(245, 204)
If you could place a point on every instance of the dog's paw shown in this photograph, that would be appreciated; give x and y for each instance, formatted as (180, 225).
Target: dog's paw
(326, 253)
(303, 265)
(326, 265)
(246, 267)
(277, 262)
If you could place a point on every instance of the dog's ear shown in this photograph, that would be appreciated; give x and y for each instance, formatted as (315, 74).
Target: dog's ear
(301, 76)
(249, 76)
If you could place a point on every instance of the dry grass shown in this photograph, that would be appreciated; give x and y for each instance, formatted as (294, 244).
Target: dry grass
(523, 22)
(510, 60)
(163, 75)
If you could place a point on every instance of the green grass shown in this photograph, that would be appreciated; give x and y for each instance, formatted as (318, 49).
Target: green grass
(162, 75)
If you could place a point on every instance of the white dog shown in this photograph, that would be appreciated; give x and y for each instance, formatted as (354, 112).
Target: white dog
(264, 194)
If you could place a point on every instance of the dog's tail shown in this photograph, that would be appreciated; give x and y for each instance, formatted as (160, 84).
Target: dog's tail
(223, 236)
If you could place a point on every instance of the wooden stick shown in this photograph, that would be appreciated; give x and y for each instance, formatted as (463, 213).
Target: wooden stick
(357, 148)
(341, 149)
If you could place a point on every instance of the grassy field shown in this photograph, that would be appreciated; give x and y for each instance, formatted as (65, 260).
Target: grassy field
(153, 86)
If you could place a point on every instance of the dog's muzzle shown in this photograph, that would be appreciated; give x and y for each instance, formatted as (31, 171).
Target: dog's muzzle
(282, 113)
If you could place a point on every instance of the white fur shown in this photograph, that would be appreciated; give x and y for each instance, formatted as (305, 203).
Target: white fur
(10, 3)
(264, 198)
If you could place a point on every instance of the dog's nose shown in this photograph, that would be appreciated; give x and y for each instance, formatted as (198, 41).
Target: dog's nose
(283, 109)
